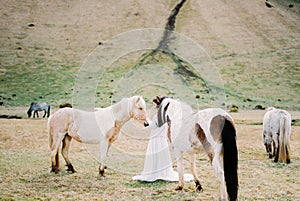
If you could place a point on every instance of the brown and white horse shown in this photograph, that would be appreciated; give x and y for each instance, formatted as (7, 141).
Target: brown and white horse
(212, 129)
(277, 132)
(101, 126)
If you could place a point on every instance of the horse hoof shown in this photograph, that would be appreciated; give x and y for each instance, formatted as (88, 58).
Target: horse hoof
(102, 173)
(54, 169)
(198, 186)
(71, 168)
(101, 170)
(178, 188)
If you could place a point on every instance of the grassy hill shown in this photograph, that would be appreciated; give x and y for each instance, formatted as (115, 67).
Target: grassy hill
(256, 49)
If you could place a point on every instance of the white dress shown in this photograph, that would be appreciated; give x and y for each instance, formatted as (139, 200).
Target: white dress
(158, 162)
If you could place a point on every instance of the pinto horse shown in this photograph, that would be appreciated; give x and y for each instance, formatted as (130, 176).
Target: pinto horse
(277, 132)
(100, 126)
(35, 107)
(212, 129)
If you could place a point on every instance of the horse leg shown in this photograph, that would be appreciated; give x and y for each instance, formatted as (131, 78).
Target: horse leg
(193, 168)
(288, 159)
(269, 150)
(180, 170)
(272, 149)
(55, 153)
(65, 152)
(276, 146)
(44, 113)
(219, 170)
(104, 146)
(48, 111)
(55, 162)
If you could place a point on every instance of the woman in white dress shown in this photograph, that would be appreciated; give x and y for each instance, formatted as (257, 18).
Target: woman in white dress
(158, 162)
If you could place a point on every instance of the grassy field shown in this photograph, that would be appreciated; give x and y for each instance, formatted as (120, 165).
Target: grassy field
(25, 168)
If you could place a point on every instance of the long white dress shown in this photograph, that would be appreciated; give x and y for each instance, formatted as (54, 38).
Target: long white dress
(158, 162)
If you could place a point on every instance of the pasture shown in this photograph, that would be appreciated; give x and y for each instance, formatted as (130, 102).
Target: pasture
(25, 167)
(44, 46)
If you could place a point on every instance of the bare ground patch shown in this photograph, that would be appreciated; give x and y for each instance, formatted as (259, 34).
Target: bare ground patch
(25, 168)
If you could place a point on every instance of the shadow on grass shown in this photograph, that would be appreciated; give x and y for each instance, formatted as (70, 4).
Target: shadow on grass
(139, 184)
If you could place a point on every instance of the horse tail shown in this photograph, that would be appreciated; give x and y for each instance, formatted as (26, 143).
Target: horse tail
(50, 132)
(230, 159)
(52, 136)
(284, 144)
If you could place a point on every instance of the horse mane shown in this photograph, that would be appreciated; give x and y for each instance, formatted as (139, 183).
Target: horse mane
(270, 108)
(186, 106)
(126, 104)
(65, 105)
(175, 105)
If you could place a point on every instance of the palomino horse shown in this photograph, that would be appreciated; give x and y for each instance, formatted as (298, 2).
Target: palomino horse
(276, 132)
(214, 130)
(101, 126)
(35, 107)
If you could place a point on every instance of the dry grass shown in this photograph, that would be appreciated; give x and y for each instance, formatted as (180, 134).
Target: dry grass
(25, 166)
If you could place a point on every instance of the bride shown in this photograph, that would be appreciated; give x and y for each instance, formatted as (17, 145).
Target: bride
(158, 162)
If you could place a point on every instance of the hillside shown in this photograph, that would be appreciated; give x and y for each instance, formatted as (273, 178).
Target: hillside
(256, 49)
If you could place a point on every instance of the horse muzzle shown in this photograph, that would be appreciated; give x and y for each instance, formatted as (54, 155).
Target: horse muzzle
(146, 123)
(142, 119)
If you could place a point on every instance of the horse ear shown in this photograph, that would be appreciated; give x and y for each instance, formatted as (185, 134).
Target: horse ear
(138, 99)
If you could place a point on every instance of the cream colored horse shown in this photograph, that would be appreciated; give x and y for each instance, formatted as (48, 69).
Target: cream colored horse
(101, 126)
(276, 132)
(212, 129)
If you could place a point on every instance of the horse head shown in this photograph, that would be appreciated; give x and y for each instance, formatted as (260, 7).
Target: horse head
(158, 100)
(138, 110)
(162, 104)
(30, 110)
(29, 113)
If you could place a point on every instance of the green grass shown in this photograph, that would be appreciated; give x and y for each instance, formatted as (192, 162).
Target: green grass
(268, 78)
(295, 122)
(38, 80)
(44, 80)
